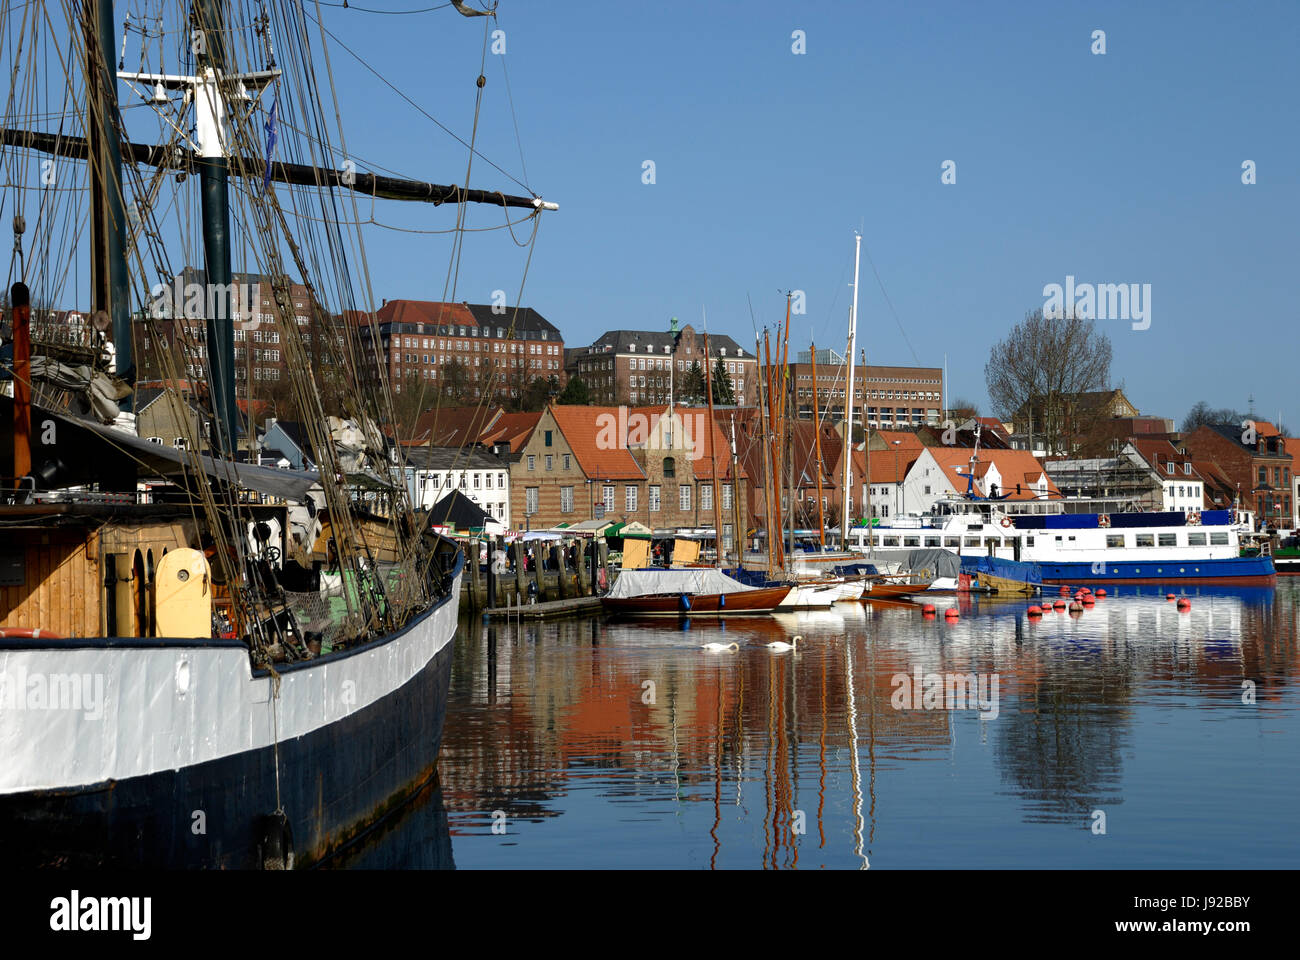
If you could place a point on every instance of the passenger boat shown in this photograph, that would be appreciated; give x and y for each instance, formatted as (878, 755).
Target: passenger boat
(1134, 547)
(688, 593)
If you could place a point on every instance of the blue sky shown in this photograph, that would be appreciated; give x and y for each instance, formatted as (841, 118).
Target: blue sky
(1115, 168)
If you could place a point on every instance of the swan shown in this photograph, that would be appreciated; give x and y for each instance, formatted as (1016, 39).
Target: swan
(780, 646)
(720, 647)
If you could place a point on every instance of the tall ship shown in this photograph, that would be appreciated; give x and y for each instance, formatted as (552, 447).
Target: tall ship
(203, 662)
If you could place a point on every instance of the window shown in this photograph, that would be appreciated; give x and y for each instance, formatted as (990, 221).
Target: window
(532, 462)
(727, 536)
(609, 498)
(971, 542)
(684, 497)
(1168, 540)
(952, 541)
(565, 461)
(1219, 539)
(670, 467)
(706, 496)
(911, 541)
(1196, 539)
(548, 437)
(530, 501)
(477, 476)
(566, 499)
(629, 498)
(654, 497)
(1146, 540)
(932, 541)
(1115, 540)
(726, 496)
(550, 461)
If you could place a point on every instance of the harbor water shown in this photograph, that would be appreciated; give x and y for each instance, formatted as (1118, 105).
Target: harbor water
(1132, 734)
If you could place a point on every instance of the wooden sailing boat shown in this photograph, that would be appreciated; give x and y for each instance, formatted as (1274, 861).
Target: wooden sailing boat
(173, 691)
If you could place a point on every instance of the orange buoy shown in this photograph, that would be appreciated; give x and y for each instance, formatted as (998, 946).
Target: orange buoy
(1059, 605)
(1184, 604)
(1101, 591)
(1035, 611)
(1088, 602)
(928, 608)
(1065, 590)
(1170, 597)
(951, 613)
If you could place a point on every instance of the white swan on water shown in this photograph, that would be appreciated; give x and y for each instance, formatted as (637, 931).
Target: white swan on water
(720, 647)
(780, 646)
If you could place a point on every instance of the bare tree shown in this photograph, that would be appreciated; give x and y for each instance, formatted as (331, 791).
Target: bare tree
(1036, 375)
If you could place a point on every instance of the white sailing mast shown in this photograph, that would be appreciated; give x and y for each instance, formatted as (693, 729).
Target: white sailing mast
(848, 402)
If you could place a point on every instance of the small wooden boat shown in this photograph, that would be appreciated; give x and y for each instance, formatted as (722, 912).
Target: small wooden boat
(688, 593)
(888, 590)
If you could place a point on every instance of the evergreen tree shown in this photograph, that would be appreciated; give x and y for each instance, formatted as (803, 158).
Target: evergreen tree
(723, 395)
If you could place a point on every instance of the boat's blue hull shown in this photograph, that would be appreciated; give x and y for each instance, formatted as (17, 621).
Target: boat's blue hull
(1230, 570)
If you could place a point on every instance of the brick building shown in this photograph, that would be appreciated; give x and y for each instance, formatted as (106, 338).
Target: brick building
(647, 464)
(500, 350)
(885, 397)
(1258, 465)
(178, 325)
(649, 367)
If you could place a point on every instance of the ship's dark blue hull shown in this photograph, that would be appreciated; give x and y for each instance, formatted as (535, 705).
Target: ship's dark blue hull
(334, 783)
(1231, 570)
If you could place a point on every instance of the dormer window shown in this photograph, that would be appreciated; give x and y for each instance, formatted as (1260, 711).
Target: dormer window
(631, 347)
(722, 351)
(1187, 469)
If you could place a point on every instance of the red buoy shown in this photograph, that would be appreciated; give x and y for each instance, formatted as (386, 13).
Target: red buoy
(1101, 591)
(1059, 605)
(1170, 597)
(928, 608)
(1088, 602)
(951, 613)
(1184, 604)
(1065, 590)
(1035, 611)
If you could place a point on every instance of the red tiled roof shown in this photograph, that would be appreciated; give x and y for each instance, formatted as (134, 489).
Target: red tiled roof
(425, 311)
(595, 441)
(512, 428)
(452, 426)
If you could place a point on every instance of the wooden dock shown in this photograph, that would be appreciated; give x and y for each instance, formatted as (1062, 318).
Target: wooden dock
(548, 610)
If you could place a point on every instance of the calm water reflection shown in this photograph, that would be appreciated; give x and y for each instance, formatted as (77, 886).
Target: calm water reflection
(594, 744)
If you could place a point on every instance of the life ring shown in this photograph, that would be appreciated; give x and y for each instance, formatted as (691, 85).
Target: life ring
(1194, 518)
(28, 633)
(1103, 520)
(1008, 522)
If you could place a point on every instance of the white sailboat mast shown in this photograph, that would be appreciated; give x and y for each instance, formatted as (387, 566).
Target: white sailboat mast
(848, 403)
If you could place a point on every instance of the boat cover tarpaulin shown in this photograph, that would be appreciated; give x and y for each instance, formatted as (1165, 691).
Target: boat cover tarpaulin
(646, 583)
(940, 563)
(1020, 570)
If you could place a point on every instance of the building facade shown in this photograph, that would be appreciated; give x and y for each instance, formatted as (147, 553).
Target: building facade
(887, 397)
(644, 367)
(1256, 461)
(648, 464)
(434, 472)
(488, 350)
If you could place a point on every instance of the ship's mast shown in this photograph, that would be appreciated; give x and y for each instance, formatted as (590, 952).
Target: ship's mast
(848, 402)
(107, 214)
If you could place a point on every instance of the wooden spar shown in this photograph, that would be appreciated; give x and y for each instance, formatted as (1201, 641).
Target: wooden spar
(817, 438)
(787, 450)
(763, 398)
(739, 522)
(713, 458)
(20, 298)
(300, 174)
(772, 471)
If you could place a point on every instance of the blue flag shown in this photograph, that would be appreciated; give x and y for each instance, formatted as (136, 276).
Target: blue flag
(270, 139)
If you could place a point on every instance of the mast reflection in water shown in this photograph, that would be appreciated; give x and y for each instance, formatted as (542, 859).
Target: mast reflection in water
(1132, 735)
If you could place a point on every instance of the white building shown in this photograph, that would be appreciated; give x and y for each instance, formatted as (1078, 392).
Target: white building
(1182, 488)
(939, 473)
(484, 477)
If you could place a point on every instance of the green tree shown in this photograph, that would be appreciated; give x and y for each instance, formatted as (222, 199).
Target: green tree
(538, 393)
(723, 395)
(692, 386)
(453, 381)
(575, 392)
